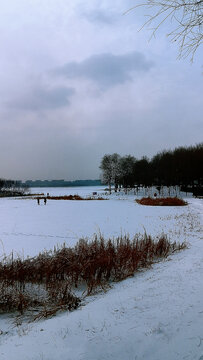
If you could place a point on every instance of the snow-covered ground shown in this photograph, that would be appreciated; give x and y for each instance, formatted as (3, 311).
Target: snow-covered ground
(156, 315)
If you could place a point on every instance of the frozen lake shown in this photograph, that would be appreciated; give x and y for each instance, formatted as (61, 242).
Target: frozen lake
(27, 228)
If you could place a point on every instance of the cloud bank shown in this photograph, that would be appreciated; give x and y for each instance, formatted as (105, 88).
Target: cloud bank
(107, 70)
(78, 81)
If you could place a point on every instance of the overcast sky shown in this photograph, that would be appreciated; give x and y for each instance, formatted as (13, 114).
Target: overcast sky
(79, 81)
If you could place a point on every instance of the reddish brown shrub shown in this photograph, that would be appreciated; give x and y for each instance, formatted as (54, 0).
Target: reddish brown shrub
(169, 201)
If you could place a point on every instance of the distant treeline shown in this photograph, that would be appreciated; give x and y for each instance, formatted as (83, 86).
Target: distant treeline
(11, 188)
(60, 183)
(182, 166)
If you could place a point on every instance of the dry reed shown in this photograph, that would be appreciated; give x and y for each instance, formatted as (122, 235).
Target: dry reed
(168, 201)
(48, 280)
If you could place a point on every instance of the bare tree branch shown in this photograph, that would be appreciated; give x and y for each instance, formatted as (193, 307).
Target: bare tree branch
(187, 17)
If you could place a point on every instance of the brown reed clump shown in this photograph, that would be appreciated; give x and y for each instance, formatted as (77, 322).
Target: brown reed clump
(49, 279)
(169, 201)
(70, 197)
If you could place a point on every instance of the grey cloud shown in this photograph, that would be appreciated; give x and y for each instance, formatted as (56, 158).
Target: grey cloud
(107, 69)
(44, 99)
(99, 16)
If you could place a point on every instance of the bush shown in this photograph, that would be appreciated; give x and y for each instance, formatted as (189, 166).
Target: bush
(169, 201)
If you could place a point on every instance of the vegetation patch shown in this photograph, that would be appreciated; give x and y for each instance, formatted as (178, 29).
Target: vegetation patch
(53, 280)
(71, 197)
(32, 194)
(169, 201)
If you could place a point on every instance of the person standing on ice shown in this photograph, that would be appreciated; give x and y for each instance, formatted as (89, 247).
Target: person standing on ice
(45, 201)
(38, 201)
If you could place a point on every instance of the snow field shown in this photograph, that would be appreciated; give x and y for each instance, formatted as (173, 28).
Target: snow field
(156, 315)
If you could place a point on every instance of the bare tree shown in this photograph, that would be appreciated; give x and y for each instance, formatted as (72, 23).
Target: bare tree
(187, 17)
(110, 170)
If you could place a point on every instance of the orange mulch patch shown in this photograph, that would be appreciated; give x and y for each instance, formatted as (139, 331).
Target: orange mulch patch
(169, 201)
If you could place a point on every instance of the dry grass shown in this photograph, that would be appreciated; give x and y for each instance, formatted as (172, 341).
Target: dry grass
(47, 281)
(169, 201)
(30, 194)
(69, 197)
